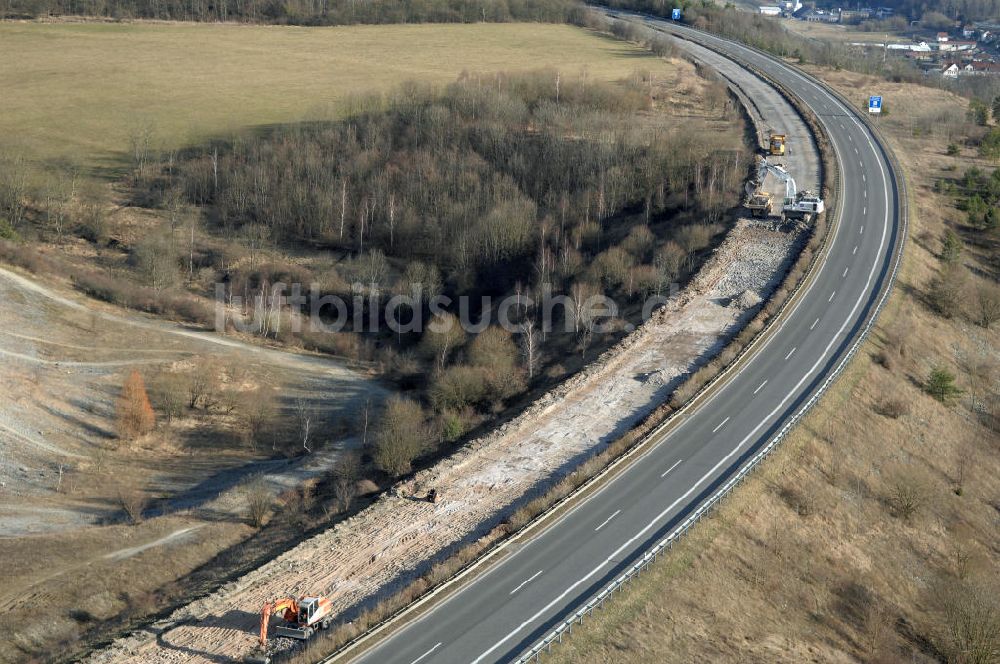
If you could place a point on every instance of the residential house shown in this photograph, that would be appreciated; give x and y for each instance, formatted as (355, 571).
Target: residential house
(949, 70)
(820, 16)
(984, 68)
(952, 46)
(854, 15)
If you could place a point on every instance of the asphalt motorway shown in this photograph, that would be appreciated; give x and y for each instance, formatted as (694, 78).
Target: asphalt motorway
(505, 611)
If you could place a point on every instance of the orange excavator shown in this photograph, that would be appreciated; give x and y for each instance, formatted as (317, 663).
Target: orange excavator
(302, 618)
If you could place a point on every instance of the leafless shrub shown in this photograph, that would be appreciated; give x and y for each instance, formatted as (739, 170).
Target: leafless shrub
(969, 613)
(907, 495)
(203, 384)
(345, 480)
(258, 500)
(801, 502)
(946, 292)
(256, 412)
(892, 408)
(987, 305)
(168, 392)
(885, 359)
(401, 436)
(133, 500)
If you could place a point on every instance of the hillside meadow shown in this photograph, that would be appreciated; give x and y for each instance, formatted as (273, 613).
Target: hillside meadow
(79, 92)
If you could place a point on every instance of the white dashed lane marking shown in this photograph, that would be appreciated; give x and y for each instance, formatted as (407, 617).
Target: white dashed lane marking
(426, 653)
(664, 473)
(524, 583)
(603, 523)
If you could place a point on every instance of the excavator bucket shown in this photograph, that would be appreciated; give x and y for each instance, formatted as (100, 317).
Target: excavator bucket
(291, 632)
(257, 658)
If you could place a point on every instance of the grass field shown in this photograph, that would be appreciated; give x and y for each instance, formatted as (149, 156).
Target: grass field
(78, 91)
(842, 33)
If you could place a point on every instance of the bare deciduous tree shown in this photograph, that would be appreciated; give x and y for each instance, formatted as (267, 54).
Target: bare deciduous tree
(987, 306)
(346, 473)
(256, 412)
(203, 384)
(443, 336)
(305, 416)
(401, 436)
(529, 346)
(132, 499)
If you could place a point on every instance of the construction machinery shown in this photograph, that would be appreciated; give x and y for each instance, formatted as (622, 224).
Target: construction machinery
(758, 201)
(802, 205)
(776, 145)
(302, 617)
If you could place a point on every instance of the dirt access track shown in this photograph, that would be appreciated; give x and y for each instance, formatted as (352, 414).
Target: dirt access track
(396, 539)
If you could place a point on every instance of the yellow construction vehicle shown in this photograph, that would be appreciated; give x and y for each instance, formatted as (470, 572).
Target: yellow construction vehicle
(776, 146)
(759, 203)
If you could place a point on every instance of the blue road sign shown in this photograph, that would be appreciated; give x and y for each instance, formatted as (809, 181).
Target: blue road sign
(874, 104)
(676, 14)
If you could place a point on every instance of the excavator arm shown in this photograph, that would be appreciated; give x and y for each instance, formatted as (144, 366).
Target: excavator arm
(270, 608)
(765, 167)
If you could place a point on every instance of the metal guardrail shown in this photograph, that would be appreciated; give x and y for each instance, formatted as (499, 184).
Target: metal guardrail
(597, 602)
